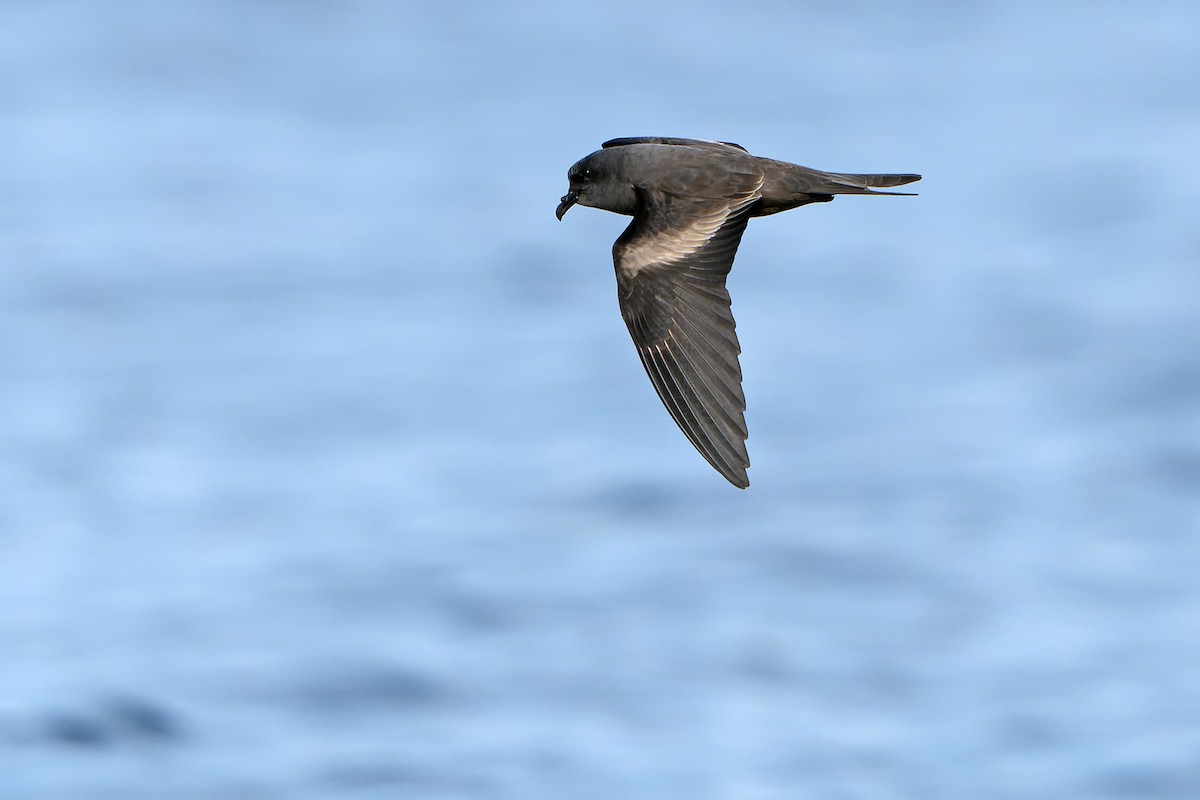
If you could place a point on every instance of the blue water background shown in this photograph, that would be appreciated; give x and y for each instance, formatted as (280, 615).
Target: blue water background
(329, 470)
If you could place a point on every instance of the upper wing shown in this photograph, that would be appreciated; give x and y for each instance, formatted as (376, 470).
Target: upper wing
(671, 265)
(669, 140)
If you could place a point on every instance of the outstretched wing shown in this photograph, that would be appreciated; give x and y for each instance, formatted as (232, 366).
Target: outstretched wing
(671, 265)
(625, 140)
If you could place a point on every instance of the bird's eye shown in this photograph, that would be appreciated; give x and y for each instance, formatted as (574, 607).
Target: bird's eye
(587, 175)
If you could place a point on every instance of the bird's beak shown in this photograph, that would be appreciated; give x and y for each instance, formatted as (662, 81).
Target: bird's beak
(568, 200)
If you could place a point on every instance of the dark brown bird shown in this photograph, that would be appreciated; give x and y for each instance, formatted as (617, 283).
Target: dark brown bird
(690, 200)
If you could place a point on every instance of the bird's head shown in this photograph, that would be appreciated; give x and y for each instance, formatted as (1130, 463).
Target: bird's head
(597, 181)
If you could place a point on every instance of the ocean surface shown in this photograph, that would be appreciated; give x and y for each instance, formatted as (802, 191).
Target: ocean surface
(328, 469)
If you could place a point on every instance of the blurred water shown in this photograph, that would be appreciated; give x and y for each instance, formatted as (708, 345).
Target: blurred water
(330, 472)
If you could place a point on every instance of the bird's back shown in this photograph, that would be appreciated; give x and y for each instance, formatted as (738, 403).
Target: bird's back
(690, 171)
(702, 169)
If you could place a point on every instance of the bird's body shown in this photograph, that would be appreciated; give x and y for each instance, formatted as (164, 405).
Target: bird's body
(690, 201)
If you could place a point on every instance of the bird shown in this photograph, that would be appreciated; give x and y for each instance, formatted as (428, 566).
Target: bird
(690, 200)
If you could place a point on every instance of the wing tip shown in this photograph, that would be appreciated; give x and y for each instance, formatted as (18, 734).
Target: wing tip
(739, 480)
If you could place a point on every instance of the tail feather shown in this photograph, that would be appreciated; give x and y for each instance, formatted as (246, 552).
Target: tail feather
(847, 183)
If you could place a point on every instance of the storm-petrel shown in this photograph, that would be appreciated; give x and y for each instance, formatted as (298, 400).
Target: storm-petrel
(690, 200)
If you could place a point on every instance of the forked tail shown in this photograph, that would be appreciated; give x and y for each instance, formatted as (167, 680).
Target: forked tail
(847, 183)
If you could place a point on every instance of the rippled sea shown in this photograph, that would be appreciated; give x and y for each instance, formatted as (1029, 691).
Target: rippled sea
(329, 470)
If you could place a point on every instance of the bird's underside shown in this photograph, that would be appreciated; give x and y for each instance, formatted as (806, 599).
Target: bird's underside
(691, 201)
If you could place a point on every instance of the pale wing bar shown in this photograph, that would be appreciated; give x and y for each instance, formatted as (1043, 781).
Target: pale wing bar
(671, 269)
